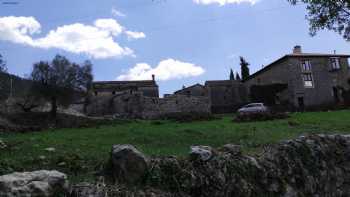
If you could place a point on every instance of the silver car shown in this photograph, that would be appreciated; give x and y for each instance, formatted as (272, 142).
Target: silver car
(253, 108)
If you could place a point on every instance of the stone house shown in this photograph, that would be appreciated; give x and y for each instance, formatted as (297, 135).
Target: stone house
(140, 99)
(312, 79)
(226, 95)
(194, 90)
(148, 88)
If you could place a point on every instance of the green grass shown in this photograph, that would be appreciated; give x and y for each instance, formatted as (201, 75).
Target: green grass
(84, 149)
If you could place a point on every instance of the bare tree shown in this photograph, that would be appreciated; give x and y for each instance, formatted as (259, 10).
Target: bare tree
(60, 81)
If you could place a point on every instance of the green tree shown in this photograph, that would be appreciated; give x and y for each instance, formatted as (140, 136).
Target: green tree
(244, 68)
(3, 67)
(232, 76)
(327, 14)
(238, 78)
(61, 81)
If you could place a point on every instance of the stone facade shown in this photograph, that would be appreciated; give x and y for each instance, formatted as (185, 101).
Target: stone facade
(226, 95)
(146, 87)
(312, 80)
(136, 105)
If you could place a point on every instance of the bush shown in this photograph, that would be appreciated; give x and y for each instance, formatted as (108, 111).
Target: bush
(252, 117)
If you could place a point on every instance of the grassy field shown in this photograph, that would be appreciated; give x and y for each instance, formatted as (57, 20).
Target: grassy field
(80, 151)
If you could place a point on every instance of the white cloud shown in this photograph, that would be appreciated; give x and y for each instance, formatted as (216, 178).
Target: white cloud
(18, 29)
(97, 40)
(109, 25)
(166, 70)
(135, 35)
(224, 2)
(117, 13)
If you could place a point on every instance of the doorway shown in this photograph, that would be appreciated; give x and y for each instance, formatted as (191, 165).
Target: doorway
(336, 94)
(301, 103)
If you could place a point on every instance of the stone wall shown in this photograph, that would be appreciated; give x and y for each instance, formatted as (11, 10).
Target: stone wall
(135, 105)
(315, 166)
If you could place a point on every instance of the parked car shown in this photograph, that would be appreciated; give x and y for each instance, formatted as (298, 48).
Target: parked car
(253, 108)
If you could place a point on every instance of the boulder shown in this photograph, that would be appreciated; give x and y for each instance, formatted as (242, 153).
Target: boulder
(202, 153)
(128, 164)
(38, 183)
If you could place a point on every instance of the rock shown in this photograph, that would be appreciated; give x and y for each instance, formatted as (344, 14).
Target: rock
(128, 164)
(38, 183)
(50, 149)
(2, 145)
(231, 148)
(203, 153)
(87, 190)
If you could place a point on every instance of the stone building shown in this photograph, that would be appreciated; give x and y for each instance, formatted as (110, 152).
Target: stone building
(148, 88)
(194, 90)
(226, 95)
(312, 79)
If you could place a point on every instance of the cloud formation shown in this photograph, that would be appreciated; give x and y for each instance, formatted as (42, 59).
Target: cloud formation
(133, 35)
(117, 13)
(96, 41)
(166, 70)
(224, 2)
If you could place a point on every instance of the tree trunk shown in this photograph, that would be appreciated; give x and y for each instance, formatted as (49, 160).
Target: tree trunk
(53, 107)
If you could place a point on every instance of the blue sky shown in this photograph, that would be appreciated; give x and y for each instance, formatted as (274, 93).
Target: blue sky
(181, 41)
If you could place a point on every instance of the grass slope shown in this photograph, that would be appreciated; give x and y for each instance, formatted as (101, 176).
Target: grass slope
(79, 151)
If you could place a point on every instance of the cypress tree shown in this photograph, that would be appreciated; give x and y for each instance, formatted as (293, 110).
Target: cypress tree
(244, 68)
(232, 76)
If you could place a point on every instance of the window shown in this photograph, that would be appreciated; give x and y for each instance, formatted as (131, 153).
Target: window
(335, 63)
(306, 65)
(308, 81)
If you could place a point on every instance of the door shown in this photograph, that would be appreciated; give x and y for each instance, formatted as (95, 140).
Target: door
(301, 103)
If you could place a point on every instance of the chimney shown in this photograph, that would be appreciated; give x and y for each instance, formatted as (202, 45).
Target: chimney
(297, 49)
(153, 77)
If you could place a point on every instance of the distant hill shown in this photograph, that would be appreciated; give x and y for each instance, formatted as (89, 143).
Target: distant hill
(20, 86)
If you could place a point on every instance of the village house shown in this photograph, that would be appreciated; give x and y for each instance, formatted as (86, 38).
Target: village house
(148, 88)
(311, 79)
(224, 95)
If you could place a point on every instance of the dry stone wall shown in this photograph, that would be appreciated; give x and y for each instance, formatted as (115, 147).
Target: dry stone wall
(313, 166)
